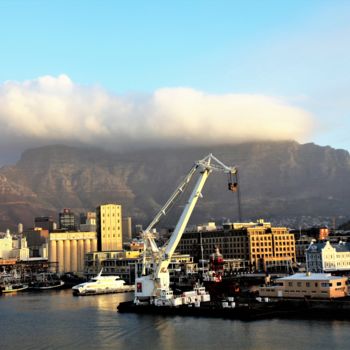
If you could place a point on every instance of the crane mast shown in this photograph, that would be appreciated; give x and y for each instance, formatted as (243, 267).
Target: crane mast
(154, 287)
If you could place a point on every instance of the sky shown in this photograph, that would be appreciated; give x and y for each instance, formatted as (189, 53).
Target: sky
(124, 74)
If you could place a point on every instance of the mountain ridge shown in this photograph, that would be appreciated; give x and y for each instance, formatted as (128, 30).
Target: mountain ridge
(277, 179)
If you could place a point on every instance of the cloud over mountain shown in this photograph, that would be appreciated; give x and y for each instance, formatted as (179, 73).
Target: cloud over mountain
(58, 110)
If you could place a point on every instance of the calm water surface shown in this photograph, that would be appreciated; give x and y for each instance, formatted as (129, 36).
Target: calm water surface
(57, 320)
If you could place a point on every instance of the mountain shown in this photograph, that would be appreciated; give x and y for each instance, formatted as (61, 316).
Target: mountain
(277, 179)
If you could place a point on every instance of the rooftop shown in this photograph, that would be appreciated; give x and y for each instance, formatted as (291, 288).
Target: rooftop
(310, 277)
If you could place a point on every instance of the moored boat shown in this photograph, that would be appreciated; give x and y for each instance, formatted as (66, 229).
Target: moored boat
(102, 285)
(46, 281)
(11, 282)
(13, 287)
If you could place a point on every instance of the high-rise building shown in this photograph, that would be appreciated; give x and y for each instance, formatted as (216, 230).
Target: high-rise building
(109, 227)
(88, 221)
(44, 222)
(127, 229)
(67, 220)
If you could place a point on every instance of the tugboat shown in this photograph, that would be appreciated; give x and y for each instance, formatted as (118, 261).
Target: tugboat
(216, 282)
(216, 267)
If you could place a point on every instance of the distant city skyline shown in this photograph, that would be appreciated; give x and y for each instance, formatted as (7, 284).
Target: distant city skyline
(136, 73)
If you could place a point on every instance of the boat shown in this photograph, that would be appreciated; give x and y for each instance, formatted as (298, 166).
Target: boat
(102, 285)
(11, 283)
(46, 281)
(13, 287)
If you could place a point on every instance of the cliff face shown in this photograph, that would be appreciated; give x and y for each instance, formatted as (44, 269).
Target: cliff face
(276, 179)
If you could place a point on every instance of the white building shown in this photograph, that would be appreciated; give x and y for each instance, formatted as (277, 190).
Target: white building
(327, 257)
(13, 247)
(5, 246)
(20, 248)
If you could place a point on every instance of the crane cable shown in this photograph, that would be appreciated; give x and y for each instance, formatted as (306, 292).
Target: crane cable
(234, 187)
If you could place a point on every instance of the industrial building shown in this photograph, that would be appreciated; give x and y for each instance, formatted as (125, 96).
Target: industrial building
(109, 227)
(68, 249)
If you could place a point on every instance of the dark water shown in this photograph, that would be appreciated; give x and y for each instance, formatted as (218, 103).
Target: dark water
(57, 320)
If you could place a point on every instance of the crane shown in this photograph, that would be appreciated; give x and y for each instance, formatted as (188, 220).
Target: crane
(153, 285)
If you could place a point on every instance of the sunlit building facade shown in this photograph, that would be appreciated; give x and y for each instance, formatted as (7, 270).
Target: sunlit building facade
(109, 227)
(68, 250)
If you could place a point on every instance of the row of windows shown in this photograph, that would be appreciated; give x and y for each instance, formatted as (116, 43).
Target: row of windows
(262, 244)
(108, 215)
(315, 284)
(109, 228)
(291, 249)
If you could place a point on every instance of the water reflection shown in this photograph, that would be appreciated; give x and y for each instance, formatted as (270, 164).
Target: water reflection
(60, 321)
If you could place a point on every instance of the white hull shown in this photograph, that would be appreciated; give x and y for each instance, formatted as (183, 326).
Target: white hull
(97, 291)
(102, 285)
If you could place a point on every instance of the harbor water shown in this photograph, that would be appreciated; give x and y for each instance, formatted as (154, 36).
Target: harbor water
(57, 320)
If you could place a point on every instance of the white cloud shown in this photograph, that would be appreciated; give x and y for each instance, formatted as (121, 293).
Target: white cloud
(56, 109)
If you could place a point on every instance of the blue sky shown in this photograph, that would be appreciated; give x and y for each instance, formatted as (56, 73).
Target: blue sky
(297, 51)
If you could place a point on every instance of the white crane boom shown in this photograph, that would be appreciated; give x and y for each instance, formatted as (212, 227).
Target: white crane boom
(147, 286)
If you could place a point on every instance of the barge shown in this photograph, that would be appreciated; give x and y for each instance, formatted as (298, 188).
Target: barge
(250, 311)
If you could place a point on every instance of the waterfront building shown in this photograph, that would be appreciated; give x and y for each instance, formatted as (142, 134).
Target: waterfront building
(67, 220)
(259, 247)
(68, 249)
(126, 264)
(328, 257)
(109, 227)
(307, 285)
(271, 247)
(233, 244)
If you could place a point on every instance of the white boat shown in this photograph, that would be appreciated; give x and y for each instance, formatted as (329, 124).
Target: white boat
(102, 285)
(13, 287)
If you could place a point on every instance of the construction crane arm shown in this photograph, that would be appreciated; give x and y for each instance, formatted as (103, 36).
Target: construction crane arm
(147, 285)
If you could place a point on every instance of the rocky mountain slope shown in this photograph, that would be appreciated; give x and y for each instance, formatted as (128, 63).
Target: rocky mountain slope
(277, 179)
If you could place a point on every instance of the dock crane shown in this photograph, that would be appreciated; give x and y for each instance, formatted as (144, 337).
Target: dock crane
(153, 286)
